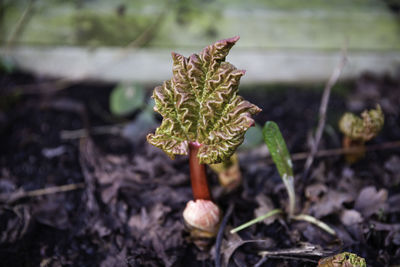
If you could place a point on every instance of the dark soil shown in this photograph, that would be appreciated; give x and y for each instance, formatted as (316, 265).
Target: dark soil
(124, 207)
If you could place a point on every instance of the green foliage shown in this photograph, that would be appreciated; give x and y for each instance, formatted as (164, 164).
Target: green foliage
(6, 65)
(277, 147)
(253, 137)
(125, 99)
(345, 259)
(200, 104)
(280, 155)
(97, 28)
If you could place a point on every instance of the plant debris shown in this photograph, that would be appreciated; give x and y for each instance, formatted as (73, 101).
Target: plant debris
(127, 209)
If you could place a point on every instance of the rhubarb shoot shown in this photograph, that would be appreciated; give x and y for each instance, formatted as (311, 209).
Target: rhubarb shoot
(203, 116)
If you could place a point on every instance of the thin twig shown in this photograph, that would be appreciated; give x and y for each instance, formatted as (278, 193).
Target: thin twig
(322, 112)
(220, 234)
(343, 151)
(307, 250)
(256, 220)
(290, 258)
(44, 87)
(146, 34)
(261, 261)
(12, 197)
(233, 246)
(17, 30)
(315, 221)
(99, 130)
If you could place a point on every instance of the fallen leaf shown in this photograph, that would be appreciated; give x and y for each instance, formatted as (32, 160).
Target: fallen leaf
(154, 229)
(370, 201)
(264, 205)
(393, 203)
(349, 182)
(392, 174)
(7, 186)
(350, 217)
(330, 203)
(234, 241)
(314, 192)
(115, 258)
(15, 222)
(52, 212)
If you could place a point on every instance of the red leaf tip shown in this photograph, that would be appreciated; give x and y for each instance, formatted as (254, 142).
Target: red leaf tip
(233, 39)
(175, 55)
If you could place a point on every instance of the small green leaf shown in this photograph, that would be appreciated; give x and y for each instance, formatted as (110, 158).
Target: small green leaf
(253, 137)
(277, 147)
(126, 98)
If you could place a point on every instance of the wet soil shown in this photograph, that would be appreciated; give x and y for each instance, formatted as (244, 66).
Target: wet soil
(124, 203)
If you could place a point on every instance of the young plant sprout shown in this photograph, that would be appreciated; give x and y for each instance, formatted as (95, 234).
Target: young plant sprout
(344, 259)
(204, 117)
(281, 157)
(229, 174)
(358, 130)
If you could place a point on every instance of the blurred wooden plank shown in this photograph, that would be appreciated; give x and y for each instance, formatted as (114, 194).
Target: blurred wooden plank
(281, 40)
(300, 24)
(154, 65)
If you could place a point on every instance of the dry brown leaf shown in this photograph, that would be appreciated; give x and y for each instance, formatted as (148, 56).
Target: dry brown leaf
(393, 203)
(370, 201)
(330, 203)
(234, 241)
(314, 192)
(350, 217)
(156, 230)
(392, 174)
(264, 205)
(16, 221)
(52, 212)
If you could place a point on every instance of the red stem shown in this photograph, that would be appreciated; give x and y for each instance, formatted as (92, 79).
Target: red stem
(198, 176)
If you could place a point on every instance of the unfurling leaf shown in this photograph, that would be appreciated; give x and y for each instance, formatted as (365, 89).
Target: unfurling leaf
(364, 128)
(281, 157)
(277, 148)
(345, 259)
(200, 104)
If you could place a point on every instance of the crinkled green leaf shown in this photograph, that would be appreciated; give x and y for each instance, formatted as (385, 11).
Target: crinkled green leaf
(200, 104)
(362, 128)
(345, 259)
